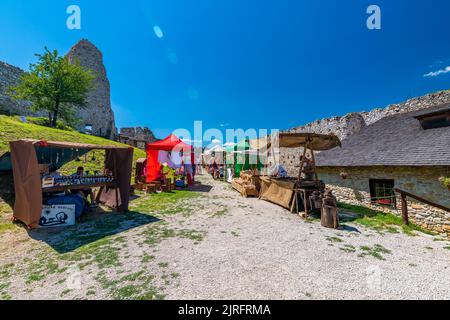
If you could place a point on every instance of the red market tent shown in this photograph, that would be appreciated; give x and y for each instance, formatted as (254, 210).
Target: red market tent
(170, 144)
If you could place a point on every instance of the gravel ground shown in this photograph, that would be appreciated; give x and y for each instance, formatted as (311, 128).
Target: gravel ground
(253, 249)
(275, 255)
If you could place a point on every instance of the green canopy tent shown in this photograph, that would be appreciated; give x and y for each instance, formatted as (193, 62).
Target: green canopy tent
(241, 156)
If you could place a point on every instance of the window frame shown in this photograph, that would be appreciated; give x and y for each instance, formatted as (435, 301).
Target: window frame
(372, 190)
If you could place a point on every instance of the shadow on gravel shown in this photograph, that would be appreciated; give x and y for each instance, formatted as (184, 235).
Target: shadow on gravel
(91, 228)
(199, 187)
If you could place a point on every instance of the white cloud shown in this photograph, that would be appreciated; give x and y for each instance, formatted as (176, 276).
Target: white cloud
(438, 72)
(191, 141)
(229, 144)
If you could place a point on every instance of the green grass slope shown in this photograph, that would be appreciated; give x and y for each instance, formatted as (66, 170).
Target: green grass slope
(11, 128)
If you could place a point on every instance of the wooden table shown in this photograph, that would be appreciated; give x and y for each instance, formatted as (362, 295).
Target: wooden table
(304, 194)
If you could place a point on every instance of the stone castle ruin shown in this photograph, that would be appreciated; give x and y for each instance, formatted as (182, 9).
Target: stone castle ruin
(137, 137)
(97, 118)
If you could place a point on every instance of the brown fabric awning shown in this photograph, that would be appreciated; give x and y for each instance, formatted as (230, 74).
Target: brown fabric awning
(27, 183)
(27, 179)
(315, 141)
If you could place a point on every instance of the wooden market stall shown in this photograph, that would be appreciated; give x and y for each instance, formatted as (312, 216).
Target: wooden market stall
(294, 193)
(28, 157)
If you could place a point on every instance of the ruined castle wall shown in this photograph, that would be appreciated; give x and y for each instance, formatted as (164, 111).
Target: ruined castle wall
(138, 133)
(9, 76)
(340, 126)
(414, 104)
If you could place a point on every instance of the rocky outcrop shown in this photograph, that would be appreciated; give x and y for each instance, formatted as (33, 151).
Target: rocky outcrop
(97, 114)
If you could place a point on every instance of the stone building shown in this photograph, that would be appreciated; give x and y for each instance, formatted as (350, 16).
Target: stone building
(97, 118)
(346, 126)
(409, 151)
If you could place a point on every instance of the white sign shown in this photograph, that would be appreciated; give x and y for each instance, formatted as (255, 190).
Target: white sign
(57, 216)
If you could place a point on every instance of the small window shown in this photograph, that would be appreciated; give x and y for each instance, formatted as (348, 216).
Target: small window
(435, 120)
(382, 192)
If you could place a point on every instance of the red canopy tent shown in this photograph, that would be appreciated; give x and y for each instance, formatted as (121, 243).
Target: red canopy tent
(171, 144)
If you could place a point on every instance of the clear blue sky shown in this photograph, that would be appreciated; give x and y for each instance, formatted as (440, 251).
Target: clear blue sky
(243, 64)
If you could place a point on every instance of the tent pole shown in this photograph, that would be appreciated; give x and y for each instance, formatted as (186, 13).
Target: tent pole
(302, 161)
(314, 166)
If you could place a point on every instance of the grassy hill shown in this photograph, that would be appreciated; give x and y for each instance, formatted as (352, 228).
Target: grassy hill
(11, 128)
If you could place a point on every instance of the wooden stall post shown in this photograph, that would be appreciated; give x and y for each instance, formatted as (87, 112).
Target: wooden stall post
(404, 209)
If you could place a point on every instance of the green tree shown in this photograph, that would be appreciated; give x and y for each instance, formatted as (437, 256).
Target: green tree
(56, 85)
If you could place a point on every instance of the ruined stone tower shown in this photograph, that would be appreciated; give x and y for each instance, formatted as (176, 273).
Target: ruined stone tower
(98, 114)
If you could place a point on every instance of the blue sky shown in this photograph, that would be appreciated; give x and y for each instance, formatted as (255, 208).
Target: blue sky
(243, 64)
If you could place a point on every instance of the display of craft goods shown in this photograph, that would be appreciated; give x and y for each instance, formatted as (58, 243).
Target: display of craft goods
(82, 180)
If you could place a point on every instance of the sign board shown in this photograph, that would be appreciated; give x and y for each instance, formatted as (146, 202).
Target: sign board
(48, 182)
(57, 216)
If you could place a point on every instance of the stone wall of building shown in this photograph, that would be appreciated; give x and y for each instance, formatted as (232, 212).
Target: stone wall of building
(422, 181)
(98, 112)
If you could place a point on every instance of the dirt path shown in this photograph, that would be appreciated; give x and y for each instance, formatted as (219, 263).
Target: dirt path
(214, 244)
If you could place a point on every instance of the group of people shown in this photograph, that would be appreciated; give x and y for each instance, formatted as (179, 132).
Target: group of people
(217, 171)
(169, 175)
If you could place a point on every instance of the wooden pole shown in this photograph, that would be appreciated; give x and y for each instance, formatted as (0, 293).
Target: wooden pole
(404, 209)
(302, 161)
(313, 158)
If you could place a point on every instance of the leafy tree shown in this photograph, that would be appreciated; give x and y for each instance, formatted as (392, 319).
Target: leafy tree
(56, 85)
